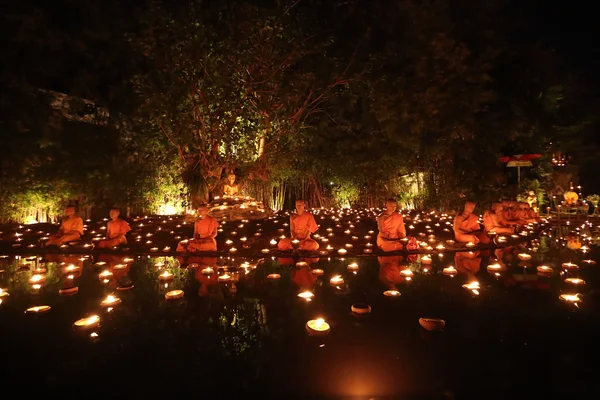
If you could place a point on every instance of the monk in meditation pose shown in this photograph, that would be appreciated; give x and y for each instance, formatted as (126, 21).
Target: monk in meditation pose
(466, 226)
(492, 220)
(116, 229)
(205, 232)
(70, 230)
(230, 188)
(302, 225)
(522, 214)
(391, 228)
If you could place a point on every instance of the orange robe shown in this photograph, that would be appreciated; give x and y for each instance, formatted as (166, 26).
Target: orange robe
(230, 190)
(70, 230)
(391, 228)
(303, 277)
(205, 232)
(301, 226)
(468, 263)
(115, 234)
(467, 229)
(491, 224)
(390, 271)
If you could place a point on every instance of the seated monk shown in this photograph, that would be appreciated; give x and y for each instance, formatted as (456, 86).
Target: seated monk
(466, 226)
(70, 230)
(205, 232)
(522, 213)
(391, 228)
(491, 222)
(507, 217)
(115, 231)
(230, 188)
(302, 225)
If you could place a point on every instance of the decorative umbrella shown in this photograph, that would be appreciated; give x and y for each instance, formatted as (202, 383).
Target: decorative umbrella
(519, 160)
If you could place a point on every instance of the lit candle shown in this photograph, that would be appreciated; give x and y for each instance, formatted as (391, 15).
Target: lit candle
(165, 276)
(569, 265)
(106, 274)
(225, 278)
(425, 259)
(317, 272)
(473, 286)
(307, 295)
(37, 279)
(265, 251)
(232, 250)
(451, 271)
(336, 280)
(273, 276)
(353, 267)
(174, 294)
(570, 297)
(38, 309)
(207, 271)
(110, 301)
(524, 256)
(87, 323)
(301, 264)
(391, 293)
(273, 242)
(544, 270)
(342, 251)
(317, 327)
(575, 281)
(495, 267)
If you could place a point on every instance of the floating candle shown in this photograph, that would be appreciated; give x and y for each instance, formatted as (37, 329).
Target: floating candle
(174, 294)
(575, 281)
(165, 276)
(342, 251)
(451, 271)
(110, 301)
(570, 297)
(495, 267)
(317, 272)
(524, 256)
(425, 259)
(432, 324)
(37, 279)
(87, 323)
(207, 271)
(225, 278)
(360, 309)
(307, 295)
(337, 280)
(37, 309)
(391, 293)
(353, 267)
(273, 276)
(569, 265)
(317, 327)
(106, 274)
(301, 264)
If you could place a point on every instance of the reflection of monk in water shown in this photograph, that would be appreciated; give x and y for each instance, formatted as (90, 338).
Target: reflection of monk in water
(302, 276)
(116, 229)
(389, 271)
(209, 284)
(467, 263)
(70, 230)
(302, 225)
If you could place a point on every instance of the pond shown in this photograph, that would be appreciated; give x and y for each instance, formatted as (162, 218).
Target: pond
(240, 325)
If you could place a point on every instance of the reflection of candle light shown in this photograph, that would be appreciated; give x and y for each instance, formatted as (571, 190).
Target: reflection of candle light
(273, 276)
(590, 262)
(544, 270)
(265, 251)
(406, 272)
(317, 327)
(473, 286)
(225, 278)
